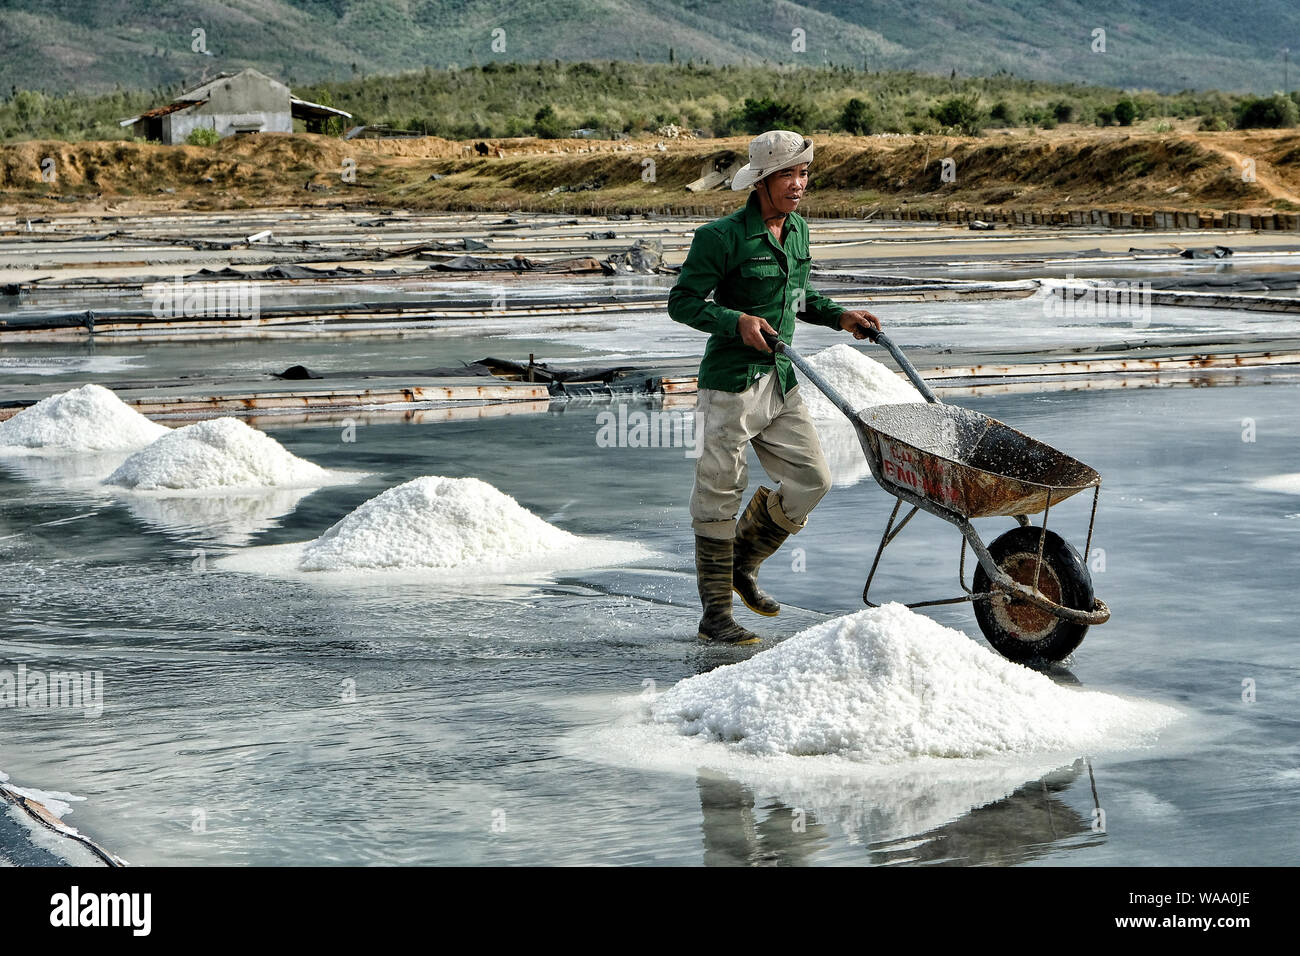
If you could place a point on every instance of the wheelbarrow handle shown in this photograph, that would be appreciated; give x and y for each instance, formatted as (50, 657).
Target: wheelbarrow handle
(879, 338)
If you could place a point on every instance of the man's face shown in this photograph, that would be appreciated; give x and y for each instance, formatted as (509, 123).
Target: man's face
(785, 187)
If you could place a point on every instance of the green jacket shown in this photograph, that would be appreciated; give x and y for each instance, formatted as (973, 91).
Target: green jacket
(739, 260)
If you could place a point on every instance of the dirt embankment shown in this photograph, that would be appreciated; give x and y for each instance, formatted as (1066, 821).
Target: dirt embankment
(1135, 171)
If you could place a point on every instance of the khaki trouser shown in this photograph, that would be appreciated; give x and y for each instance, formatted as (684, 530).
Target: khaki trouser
(783, 436)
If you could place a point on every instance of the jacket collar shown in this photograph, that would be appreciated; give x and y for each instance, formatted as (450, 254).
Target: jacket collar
(754, 225)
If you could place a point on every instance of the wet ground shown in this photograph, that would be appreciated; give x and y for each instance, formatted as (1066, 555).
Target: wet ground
(229, 733)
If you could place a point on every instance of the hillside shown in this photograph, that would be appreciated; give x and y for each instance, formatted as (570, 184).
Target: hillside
(99, 45)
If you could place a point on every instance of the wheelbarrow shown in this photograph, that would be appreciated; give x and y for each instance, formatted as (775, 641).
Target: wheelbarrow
(1031, 591)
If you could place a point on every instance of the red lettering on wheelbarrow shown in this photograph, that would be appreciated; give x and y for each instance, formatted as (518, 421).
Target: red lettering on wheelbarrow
(898, 464)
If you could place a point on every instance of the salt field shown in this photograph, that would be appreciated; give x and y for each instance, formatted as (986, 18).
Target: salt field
(462, 631)
(294, 679)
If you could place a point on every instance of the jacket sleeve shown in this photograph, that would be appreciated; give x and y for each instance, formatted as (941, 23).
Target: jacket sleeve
(821, 310)
(702, 272)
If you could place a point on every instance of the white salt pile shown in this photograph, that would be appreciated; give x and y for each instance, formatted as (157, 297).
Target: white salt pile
(218, 454)
(861, 380)
(86, 419)
(433, 522)
(448, 524)
(1286, 484)
(886, 684)
(843, 450)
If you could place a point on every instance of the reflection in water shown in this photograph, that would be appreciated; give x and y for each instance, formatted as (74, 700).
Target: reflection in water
(227, 519)
(786, 836)
(219, 518)
(1026, 825)
(81, 471)
(893, 819)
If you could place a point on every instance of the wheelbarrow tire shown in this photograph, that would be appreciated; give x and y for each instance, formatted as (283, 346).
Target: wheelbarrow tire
(1018, 630)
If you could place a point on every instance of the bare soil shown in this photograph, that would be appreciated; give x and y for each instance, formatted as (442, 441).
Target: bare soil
(1134, 170)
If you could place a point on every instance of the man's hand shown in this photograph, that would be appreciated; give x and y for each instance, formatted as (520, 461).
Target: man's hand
(751, 329)
(862, 324)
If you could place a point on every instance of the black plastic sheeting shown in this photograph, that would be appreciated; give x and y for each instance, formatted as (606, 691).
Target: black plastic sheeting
(1235, 282)
(288, 271)
(297, 373)
(475, 264)
(538, 372)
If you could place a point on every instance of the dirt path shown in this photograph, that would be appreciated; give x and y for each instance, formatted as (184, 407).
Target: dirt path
(1264, 177)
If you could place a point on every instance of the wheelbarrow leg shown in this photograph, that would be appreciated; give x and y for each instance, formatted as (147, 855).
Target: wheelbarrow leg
(890, 534)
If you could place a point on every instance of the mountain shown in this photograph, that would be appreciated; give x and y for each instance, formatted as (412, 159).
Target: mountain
(97, 45)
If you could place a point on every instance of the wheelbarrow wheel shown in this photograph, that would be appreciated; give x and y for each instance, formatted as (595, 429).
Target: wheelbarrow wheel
(1018, 630)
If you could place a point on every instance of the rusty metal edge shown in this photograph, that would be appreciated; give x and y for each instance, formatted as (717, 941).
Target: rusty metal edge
(38, 812)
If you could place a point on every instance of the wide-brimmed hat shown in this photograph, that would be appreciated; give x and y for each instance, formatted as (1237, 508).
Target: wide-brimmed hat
(771, 151)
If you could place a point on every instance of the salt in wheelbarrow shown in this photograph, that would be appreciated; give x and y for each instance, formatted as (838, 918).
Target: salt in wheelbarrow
(1031, 592)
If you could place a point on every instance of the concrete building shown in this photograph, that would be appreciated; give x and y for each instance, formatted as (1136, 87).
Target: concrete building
(233, 103)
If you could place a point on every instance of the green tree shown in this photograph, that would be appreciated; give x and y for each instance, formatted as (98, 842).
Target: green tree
(1003, 113)
(855, 118)
(959, 113)
(1126, 112)
(546, 124)
(1270, 112)
(760, 115)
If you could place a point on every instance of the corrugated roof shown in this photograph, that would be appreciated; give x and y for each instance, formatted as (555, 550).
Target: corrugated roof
(302, 108)
(170, 108)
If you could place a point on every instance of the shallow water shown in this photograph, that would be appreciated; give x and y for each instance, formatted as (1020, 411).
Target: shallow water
(635, 337)
(501, 721)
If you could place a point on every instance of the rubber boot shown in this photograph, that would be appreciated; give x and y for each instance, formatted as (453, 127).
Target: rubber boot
(757, 538)
(713, 574)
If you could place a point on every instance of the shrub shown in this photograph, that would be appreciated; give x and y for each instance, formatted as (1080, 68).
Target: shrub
(959, 113)
(855, 118)
(760, 115)
(546, 124)
(1003, 113)
(1063, 111)
(203, 136)
(1271, 112)
(1126, 112)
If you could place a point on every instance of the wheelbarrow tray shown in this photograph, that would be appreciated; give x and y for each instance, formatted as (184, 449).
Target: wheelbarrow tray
(960, 464)
(965, 462)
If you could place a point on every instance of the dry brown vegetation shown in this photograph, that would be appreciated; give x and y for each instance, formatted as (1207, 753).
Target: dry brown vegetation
(1067, 168)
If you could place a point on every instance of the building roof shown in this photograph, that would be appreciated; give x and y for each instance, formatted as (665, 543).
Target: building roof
(200, 94)
(204, 90)
(305, 109)
(162, 111)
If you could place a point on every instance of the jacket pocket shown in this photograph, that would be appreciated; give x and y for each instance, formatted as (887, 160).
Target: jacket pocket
(760, 270)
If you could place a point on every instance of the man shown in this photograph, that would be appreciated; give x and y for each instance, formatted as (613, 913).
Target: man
(755, 262)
